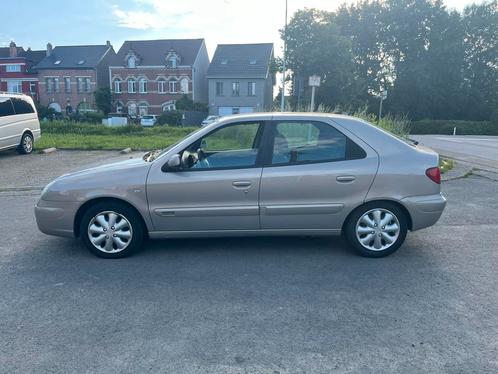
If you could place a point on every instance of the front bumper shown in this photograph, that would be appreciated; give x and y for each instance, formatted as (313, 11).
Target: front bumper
(424, 210)
(56, 217)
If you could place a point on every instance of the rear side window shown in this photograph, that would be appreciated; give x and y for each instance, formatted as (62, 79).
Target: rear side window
(22, 106)
(297, 142)
(6, 108)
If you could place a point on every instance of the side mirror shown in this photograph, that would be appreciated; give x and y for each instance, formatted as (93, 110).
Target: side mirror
(172, 164)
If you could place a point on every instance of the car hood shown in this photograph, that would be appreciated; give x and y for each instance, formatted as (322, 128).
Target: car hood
(115, 179)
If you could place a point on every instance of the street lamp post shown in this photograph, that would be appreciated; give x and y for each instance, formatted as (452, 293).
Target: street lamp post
(282, 99)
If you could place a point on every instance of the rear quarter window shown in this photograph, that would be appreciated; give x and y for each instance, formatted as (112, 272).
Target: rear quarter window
(6, 108)
(22, 106)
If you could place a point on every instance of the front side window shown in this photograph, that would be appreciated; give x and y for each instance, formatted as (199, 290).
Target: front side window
(79, 84)
(184, 85)
(32, 87)
(49, 85)
(88, 85)
(219, 88)
(161, 86)
(297, 142)
(233, 146)
(57, 87)
(235, 88)
(172, 86)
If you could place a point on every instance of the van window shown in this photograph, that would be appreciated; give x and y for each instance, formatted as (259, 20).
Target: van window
(22, 106)
(6, 108)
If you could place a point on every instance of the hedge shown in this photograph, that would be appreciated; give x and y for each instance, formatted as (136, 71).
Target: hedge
(443, 127)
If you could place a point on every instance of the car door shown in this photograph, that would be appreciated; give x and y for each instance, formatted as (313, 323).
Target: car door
(313, 176)
(216, 186)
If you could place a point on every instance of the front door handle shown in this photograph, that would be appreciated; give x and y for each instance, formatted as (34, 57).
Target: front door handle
(242, 184)
(345, 178)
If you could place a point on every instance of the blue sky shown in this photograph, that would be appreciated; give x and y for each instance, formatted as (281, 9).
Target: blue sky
(34, 23)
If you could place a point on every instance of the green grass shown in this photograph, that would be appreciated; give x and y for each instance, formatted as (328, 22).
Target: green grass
(68, 135)
(446, 165)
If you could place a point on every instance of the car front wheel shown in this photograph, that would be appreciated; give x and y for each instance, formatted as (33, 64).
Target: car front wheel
(111, 230)
(26, 145)
(377, 229)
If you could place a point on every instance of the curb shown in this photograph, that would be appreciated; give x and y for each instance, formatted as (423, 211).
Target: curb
(19, 189)
(49, 150)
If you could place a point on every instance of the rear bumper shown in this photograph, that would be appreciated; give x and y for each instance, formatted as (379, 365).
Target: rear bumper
(424, 210)
(56, 218)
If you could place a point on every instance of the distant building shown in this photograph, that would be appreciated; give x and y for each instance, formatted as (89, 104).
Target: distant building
(16, 70)
(69, 75)
(148, 76)
(240, 79)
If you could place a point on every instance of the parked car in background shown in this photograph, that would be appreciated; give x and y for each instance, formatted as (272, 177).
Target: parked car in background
(209, 120)
(19, 125)
(148, 121)
(260, 174)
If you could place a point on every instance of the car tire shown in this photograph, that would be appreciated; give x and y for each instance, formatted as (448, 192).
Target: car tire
(112, 230)
(376, 229)
(26, 145)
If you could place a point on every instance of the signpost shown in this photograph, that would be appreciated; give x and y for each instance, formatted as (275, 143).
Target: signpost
(314, 82)
(383, 96)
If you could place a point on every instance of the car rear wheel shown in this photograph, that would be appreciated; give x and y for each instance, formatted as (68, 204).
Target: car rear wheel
(26, 145)
(377, 229)
(111, 230)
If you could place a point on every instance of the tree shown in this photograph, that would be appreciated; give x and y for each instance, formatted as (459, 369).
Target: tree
(103, 100)
(185, 103)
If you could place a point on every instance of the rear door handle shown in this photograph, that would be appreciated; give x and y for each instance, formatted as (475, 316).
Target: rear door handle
(345, 178)
(241, 184)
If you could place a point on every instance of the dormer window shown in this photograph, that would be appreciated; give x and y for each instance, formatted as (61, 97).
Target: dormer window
(57, 62)
(172, 59)
(224, 61)
(252, 61)
(132, 62)
(172, 62)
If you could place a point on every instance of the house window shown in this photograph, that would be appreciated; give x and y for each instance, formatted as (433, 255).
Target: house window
(169, 107)
(79, 84)
(172, 62)
(251, 88)
(235, 110)
(172, 86)
(143, 109)
(57, 87)
(117, 85)
(49, 85)
(132, 86)
(184, 85)
(132, 109)
(13, 68)
(88, 85)
(32, 87)
(67, 84)
(14, 86)
(142, 85)
(161, 86)
(119, 107)
(235, 88)
(219, 88)
(132, 62)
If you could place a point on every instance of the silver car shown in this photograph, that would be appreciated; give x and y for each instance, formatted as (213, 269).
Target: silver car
(256, 174)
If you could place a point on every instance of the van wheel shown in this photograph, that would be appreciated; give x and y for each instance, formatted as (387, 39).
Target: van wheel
(26, 145)
(377, 229)
(111, 230)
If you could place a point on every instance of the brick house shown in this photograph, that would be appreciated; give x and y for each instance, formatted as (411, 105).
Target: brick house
(240, 79)
(16, 70)
(148, 76)
(69, 75)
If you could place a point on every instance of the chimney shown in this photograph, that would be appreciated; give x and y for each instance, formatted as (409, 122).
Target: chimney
(49, 49)
(12, 49)
(108, 43)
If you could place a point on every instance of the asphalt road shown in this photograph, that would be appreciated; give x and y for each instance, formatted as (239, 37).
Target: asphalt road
(481, 151)
(259, 305)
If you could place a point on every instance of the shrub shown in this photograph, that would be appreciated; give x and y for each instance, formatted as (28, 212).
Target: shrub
(172, 118)
(442, 127)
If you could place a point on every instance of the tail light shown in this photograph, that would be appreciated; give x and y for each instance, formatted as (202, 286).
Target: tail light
(434, 174)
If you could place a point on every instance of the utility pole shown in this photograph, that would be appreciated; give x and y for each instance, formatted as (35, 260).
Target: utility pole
(282, 99)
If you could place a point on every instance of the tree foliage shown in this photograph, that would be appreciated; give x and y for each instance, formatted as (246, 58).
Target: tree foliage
(434, 62)
(103, 100)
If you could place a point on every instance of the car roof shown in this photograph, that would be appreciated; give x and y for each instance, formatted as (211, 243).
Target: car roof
(265, 116)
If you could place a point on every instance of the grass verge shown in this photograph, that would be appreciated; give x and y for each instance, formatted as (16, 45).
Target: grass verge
(446, 165)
